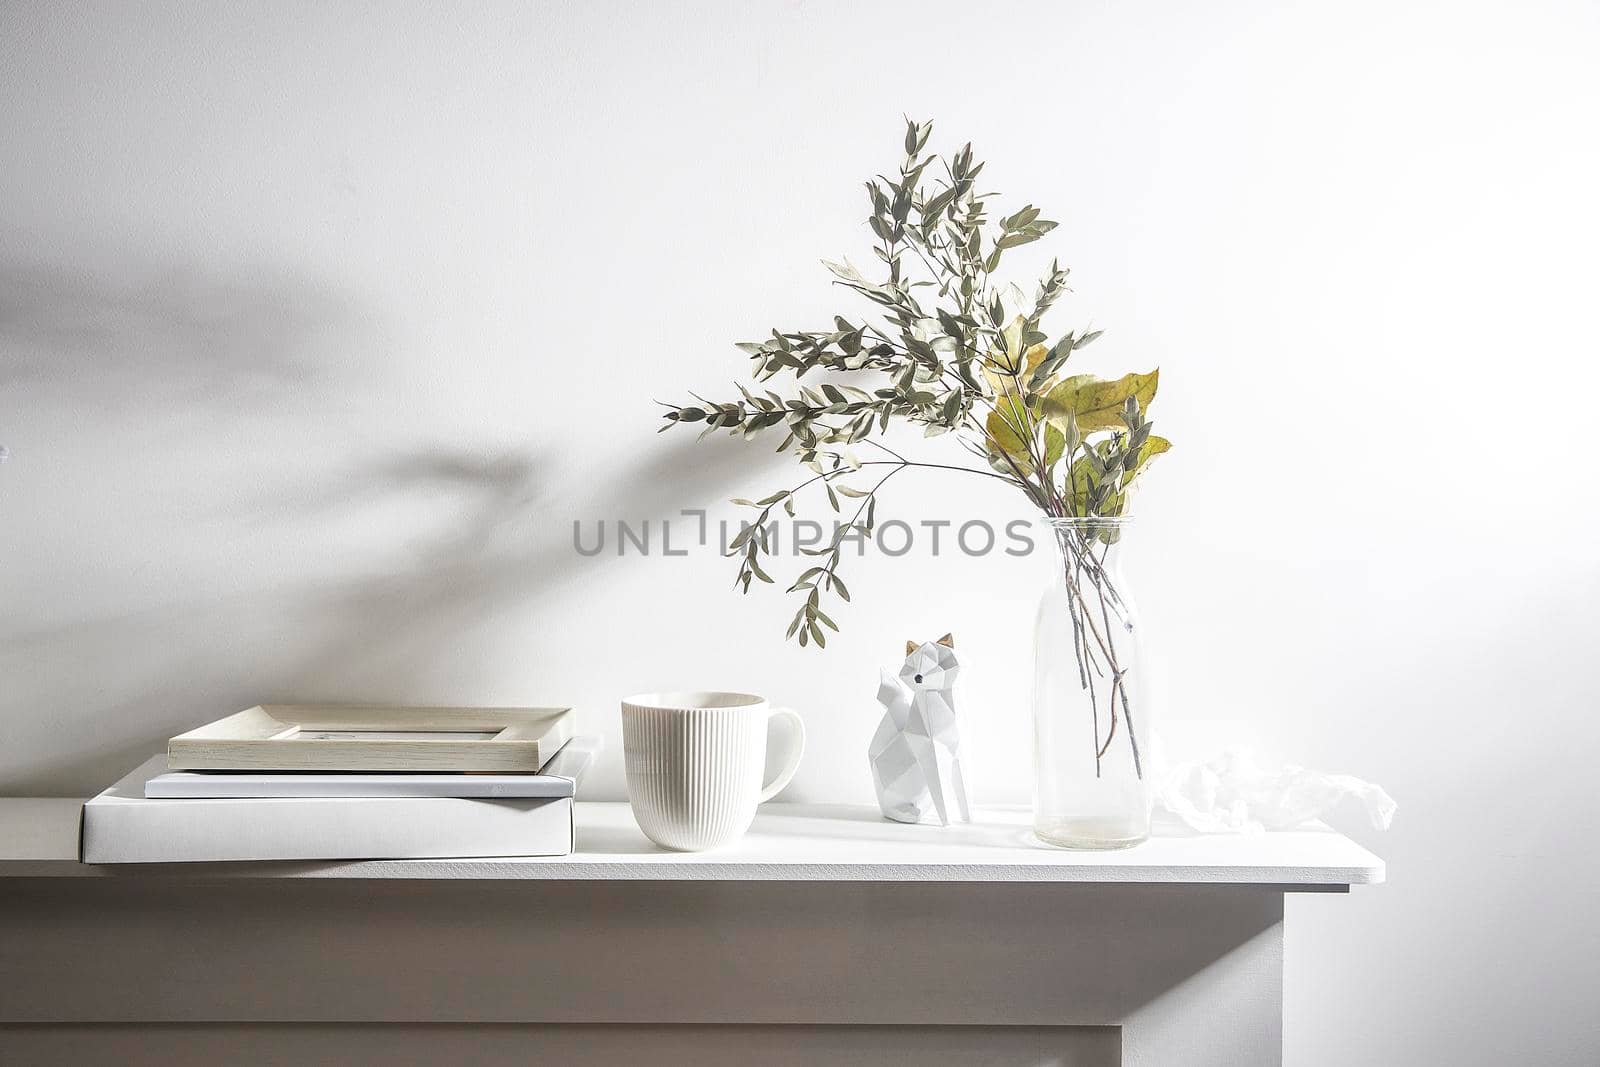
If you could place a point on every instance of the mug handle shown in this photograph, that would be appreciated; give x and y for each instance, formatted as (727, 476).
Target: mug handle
(797, 746)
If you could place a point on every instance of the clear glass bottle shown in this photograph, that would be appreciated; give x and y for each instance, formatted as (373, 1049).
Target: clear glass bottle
(1092, 786)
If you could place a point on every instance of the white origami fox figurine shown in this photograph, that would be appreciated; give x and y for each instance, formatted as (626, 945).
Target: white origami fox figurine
(915, 753)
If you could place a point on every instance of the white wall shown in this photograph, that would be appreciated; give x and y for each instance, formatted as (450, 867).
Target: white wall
(320, 323)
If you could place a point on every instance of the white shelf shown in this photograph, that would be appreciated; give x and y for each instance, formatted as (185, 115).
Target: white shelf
(788, 843)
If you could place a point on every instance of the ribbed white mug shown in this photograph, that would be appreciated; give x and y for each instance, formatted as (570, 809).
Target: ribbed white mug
(695, 762)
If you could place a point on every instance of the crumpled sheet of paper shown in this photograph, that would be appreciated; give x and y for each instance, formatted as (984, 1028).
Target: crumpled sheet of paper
(1235, 793)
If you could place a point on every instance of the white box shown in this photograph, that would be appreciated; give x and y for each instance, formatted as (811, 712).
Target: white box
(121, 825)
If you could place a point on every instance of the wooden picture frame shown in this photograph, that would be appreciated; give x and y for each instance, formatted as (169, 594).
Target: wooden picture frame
(374, 737)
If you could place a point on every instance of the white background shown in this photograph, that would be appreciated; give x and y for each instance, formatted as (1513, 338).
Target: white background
(321, 323)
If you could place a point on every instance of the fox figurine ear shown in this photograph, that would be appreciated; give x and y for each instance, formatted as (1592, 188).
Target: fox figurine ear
(948, 641)
(911, 646)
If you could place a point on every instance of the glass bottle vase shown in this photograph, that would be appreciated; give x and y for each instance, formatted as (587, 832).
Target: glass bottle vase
(1092, 782)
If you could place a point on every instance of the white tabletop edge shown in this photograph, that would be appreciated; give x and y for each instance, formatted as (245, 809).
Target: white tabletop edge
(38, 838)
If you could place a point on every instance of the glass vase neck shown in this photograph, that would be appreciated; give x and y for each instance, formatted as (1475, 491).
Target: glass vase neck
(1099, 535)
(1086, 523)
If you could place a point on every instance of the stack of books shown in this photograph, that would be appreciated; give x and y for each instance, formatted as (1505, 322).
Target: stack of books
(281, 782)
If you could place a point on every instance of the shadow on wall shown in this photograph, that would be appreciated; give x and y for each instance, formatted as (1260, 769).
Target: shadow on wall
(365, 574)
(188, 337)
(506, 545)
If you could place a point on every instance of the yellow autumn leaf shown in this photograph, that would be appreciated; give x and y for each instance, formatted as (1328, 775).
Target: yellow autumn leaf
(1009, 358)
(1033, 357)
(1152, 447)
(1003, 423)
(998, 367)
(1096, 403)
(1055, 445)
(1001, 426)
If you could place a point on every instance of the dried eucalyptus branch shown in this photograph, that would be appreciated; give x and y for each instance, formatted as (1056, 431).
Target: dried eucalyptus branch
(956, 352)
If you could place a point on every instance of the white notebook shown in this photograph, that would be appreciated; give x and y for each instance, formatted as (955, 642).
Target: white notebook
(122, 825)
(557, 778)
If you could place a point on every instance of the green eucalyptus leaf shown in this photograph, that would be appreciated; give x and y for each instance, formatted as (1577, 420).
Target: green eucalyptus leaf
(756, 569)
